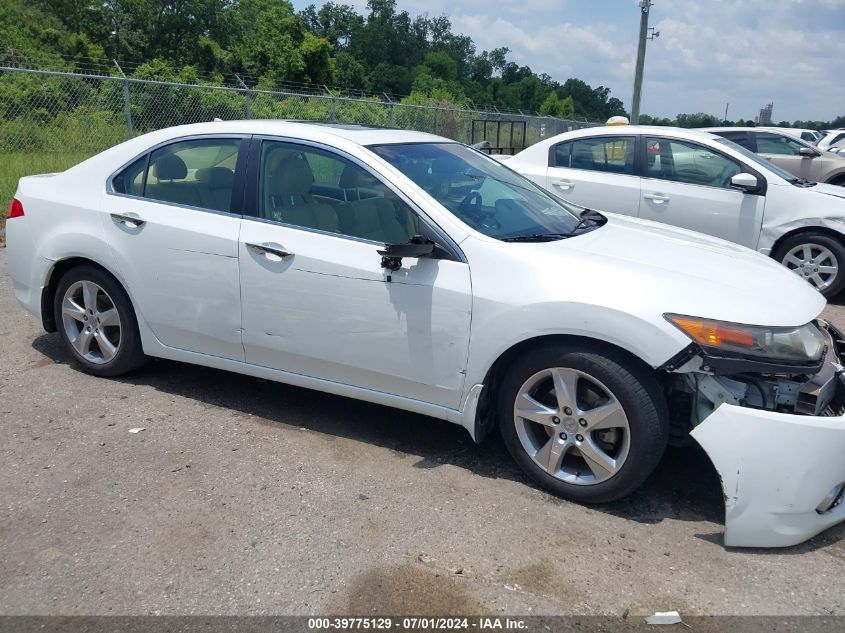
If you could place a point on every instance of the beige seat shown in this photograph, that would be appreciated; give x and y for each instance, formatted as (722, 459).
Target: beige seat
(169, 173)
(287, 197)
(215, 186)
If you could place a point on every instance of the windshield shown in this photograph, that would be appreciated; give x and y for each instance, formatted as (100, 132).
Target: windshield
(760, 161)
(480, 191)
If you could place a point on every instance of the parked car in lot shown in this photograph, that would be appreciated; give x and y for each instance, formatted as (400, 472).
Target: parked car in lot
(698, 181)
(798, 157)
(831, 138)
(409, 270)
(811, 136)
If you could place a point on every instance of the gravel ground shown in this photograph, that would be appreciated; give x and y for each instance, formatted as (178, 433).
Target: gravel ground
(243, 496)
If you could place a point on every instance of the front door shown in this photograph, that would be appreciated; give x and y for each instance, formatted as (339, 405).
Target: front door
(688, 185)
(784, 152)
(316, 301)
(174, 235)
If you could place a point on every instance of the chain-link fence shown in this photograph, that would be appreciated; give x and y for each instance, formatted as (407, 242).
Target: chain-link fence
(51, 120)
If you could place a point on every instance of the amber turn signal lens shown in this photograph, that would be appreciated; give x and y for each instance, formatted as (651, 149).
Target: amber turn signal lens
(713, 333)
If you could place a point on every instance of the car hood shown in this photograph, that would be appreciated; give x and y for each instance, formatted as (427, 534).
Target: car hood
(656, 269)
(829, 190)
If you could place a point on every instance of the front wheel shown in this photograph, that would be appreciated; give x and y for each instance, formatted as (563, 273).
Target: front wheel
(816, 258)
(586, 424)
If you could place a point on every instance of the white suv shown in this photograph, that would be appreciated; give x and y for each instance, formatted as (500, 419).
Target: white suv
(699, 181)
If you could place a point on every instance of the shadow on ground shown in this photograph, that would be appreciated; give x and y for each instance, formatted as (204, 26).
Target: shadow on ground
(684, 487)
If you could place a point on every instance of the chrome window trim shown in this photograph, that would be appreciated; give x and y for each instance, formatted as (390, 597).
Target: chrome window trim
(175, 204)
(449, 243)
(191, 137)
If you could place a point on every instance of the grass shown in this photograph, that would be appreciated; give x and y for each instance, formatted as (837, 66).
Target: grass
(14, 165)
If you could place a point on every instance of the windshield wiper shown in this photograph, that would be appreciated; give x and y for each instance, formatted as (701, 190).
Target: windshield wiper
(536, 237)
(803, 182)
(587, 216)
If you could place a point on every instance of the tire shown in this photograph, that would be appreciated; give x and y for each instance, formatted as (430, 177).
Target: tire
(102, 341)
(606, 383)
(825, 252)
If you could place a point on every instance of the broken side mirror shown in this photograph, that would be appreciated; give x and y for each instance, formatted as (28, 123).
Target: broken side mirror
(417, 246)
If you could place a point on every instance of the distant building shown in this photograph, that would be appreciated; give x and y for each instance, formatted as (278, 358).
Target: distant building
(765, 116)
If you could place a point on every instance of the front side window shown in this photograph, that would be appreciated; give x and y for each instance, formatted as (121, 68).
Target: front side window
(680, 161)
(739, 137)
(198, 173)
(768, 143)
(313, 188)
(614, 154)
(480, 191)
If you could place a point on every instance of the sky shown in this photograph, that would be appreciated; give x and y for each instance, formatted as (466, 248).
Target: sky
(709, 53)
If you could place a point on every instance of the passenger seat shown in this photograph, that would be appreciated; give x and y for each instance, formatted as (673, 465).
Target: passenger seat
(287, 197)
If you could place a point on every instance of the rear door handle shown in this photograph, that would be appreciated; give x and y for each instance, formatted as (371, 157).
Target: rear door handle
(564, 184)
(132, 220)
(657, 198)
(270, 248)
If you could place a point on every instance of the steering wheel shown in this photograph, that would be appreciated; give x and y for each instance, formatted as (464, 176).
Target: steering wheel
(471, 206)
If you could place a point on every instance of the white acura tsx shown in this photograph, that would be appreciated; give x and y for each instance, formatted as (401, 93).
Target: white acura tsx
(409, 270)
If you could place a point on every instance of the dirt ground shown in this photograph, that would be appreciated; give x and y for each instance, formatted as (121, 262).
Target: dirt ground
(243, 496)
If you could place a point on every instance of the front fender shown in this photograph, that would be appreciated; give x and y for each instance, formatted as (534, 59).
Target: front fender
(652, 342)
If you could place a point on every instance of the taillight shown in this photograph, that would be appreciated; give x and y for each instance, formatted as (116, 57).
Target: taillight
(15, 209)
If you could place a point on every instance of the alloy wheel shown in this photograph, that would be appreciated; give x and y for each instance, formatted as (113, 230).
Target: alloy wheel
(91, 322)
(572, 426)
(813, 262)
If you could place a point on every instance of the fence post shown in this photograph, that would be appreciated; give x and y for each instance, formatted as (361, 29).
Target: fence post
(126, 104)
(436, 117)
(247, 97)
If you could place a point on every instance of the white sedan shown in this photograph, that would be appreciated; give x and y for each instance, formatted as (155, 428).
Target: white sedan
(699, 181)
(412, 271)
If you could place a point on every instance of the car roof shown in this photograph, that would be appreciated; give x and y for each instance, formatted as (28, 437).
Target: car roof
(314, 130)
(623, 130)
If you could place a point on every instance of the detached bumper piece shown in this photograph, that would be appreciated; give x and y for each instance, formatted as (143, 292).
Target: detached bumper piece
(783, 475)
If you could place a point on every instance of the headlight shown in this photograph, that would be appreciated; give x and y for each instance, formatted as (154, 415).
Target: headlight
(796, 344)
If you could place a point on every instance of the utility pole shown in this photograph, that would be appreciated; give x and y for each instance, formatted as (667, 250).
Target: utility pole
(725, 120)
(645, 5)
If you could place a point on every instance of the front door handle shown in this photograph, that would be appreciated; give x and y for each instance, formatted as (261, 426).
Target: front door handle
(566, 185)
(657, 198)
(270, 248)
(132, 220)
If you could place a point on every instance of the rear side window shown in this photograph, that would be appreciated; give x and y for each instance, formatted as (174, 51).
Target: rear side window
(198, 173)
(131, 180)
(614, 154)
(739, 137)
(768, 143)
(562, 154)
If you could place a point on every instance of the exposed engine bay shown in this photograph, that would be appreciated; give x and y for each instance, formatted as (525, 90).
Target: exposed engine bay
(697, 384)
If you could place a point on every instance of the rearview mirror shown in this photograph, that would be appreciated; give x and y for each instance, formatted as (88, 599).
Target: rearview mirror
(808, 151)
(745, 182)
(417, 246)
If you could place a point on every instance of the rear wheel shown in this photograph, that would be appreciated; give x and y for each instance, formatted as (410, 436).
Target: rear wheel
(816, 258)
(585, 424)
(97, 323)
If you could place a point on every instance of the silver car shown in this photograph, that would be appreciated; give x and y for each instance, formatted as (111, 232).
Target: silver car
(789, 152)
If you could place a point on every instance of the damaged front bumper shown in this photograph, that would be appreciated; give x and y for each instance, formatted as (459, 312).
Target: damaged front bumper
(781, 462)
(782, 474)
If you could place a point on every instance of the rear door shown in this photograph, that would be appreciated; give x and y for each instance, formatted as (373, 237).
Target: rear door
(172, 220)
(688, 185)
(596, 172)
